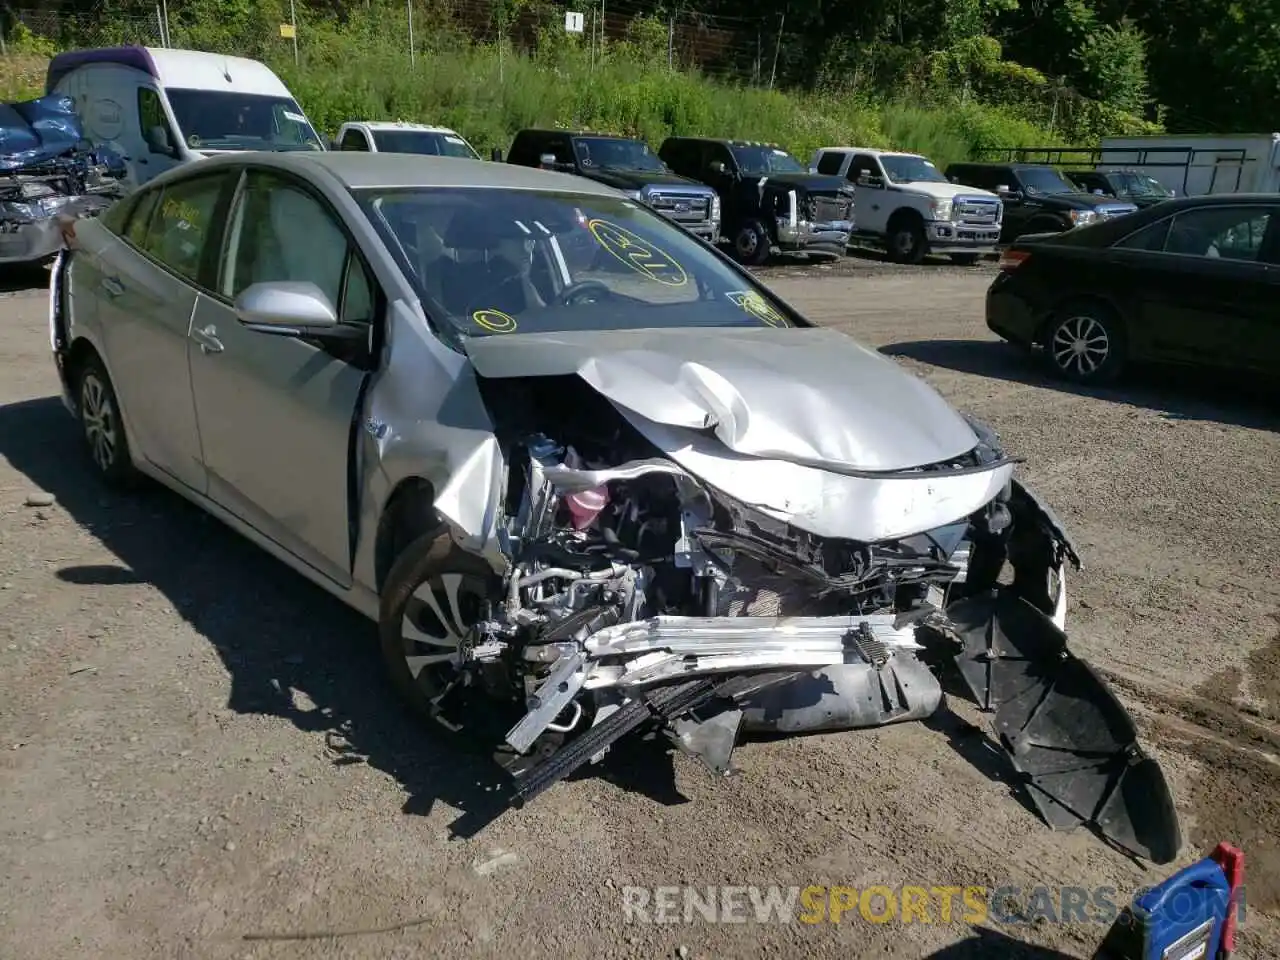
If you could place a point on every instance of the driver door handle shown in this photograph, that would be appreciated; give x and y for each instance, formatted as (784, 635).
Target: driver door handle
(208, 339)
(112, 286)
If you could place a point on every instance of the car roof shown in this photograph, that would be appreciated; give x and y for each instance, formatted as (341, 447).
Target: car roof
(574, 133)
(192, 69)
(398, 125)
(359, 170)
(872, 151)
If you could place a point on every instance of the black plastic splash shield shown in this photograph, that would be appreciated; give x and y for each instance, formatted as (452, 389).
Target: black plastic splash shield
(1066, 733)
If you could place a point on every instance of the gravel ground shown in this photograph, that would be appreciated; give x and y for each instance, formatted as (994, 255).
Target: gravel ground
(199, 756)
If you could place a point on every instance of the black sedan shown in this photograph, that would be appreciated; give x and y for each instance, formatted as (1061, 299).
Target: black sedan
(1192, 280)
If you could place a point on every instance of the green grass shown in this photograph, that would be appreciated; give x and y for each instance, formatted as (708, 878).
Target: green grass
(469, 91)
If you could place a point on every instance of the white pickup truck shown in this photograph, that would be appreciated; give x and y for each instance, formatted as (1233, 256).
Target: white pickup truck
(904, 205)
(385, 136)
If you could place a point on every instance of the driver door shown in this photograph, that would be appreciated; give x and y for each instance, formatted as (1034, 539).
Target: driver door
(276, 413)
(870, 207)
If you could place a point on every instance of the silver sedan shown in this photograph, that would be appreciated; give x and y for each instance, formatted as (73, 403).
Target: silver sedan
(588, 476)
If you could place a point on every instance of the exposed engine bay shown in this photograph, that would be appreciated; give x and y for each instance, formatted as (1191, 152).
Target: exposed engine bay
(641, 597)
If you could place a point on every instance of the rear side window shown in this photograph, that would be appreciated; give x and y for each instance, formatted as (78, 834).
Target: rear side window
(183, 224)
(831, 162)
(1150, 238)
(354, 139)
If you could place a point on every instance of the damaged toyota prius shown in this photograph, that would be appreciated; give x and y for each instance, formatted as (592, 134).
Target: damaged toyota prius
(590, 478)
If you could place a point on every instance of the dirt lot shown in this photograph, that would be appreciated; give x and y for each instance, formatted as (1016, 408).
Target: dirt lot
(197, 747)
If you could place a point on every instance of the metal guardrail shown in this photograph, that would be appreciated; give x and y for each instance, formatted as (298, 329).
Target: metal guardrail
(1228, 160)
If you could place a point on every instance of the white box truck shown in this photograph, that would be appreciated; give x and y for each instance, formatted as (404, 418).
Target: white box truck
(1195, 165)
(158, 107)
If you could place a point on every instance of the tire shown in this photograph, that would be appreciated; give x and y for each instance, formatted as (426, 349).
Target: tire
(101, 425)
(751, 243)
(965, 259)
(1085, 343)
(906, 241)
(429, 582)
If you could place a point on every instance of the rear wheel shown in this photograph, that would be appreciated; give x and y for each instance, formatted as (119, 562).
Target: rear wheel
(1085, 343)
(101, 426)
(751, 243)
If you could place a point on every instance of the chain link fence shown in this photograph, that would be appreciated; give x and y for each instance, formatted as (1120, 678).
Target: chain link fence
(734, 49)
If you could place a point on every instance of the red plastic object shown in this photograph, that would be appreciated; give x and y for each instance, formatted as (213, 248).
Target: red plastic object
(1231, 860)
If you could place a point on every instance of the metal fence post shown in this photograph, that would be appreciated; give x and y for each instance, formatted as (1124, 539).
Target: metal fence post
(671, 42)
(412, 55)
(773, 74)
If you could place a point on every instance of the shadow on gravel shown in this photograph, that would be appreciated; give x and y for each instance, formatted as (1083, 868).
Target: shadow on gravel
(987, 944)
(1208, 395)
(276, 633)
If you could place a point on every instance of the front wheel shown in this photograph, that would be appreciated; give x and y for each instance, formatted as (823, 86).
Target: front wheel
(102, 427)
(434, 597)
(907, 242)
(1085, 344)
(751, 243)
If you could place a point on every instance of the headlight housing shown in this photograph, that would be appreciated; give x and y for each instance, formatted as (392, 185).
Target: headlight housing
(637, 195)
(715, 207)
(1081, 217)
(941, 209)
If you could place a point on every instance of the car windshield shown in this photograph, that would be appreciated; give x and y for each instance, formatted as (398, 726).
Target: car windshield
(1044, 180)
(908, 169)
(610, 153)
(759, 161)
(494, 261)
(1142, 185)
(224, 120)
(431, 142)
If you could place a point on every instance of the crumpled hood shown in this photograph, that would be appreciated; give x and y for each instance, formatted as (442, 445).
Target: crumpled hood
(806, 395)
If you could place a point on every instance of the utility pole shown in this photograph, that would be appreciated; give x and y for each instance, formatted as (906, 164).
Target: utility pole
(293, 18)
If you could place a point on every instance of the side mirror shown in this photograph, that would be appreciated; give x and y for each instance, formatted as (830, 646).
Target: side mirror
(1004, 193)
(718, 167)
(547, 161)
(291, 308)
(158, 141)
(496, 155)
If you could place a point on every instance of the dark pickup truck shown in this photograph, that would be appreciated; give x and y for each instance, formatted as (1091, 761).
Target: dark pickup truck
(1037, 198)
(1138, 188)
(624, 164)
(769, 198)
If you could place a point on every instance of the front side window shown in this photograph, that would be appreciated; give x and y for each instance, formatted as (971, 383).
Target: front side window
(151, 118)
(426, 142)
(610, 153)
(281, 232)
(226, 120)
(492, 262)
(183, 223)
(1232, 233)
(910, 169)
(760, 161)
(1142, 185)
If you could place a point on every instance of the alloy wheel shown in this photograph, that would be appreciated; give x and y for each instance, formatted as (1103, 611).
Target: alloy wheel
(437, 625)
(747, 243)
(1080, 346)
(101, 425)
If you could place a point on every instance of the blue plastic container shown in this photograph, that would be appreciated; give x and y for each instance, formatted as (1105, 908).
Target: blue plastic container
(1181, 919)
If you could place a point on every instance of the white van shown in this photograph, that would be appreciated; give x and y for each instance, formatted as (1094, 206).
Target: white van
(159, 107)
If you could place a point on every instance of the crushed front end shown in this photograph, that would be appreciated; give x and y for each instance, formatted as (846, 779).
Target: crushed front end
(643, 594)
(48, 174)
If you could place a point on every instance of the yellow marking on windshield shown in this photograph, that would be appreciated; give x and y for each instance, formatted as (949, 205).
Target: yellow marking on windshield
(642, 256)
(758, 307)
(495, 321)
